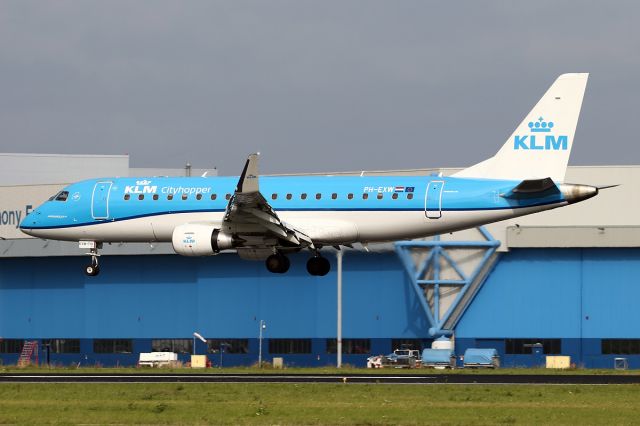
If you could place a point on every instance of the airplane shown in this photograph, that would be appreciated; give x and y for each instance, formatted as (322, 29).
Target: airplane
(268, 217)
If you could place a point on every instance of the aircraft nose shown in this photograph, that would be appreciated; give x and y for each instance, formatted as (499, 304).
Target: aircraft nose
(30, 222)
(576, 193)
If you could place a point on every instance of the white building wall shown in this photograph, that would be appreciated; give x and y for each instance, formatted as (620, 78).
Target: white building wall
(16, 202)
(29, 169)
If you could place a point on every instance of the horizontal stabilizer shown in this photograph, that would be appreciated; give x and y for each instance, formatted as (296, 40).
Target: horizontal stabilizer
(534, 185)
(533, 188)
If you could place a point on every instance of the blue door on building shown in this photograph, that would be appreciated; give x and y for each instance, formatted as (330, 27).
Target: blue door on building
(433, 199)
(100, 200)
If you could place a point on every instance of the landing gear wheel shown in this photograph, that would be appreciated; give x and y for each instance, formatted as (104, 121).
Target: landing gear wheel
(318, 266)
(278, 263)
(286, 265)
(92, 270)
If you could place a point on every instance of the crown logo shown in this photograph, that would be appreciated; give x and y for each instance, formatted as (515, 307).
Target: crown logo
(143, 182)
(541, 125)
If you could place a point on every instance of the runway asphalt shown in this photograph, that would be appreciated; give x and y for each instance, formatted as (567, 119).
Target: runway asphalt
(549, 379)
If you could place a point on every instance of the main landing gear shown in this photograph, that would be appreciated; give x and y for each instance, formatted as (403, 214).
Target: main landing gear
(92, 269)
(318, 266)
(278, 263)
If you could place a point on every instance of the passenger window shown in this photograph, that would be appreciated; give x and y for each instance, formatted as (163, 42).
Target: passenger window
(380, 195)
(334, 196)
(303, 196)
(274, 196)
(170, 197)
(350, 196)
(155, 197)
(227, 197)
(289, 196)
(409, 196)
(62, 196)
(198, 196)
(213, 196)
(395, 196)
(127, 196)
(141, 197)
(318, 196)
(184, 197)
(365, 196)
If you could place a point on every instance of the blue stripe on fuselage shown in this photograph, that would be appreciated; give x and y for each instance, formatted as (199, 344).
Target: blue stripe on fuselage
(458, 195)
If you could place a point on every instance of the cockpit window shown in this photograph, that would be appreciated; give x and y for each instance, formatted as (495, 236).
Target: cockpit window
(60, 196)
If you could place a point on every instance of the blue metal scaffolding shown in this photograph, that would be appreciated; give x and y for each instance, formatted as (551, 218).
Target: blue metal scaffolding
(427, 278)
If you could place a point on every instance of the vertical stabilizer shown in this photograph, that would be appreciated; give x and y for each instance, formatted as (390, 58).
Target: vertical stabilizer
(540, 146)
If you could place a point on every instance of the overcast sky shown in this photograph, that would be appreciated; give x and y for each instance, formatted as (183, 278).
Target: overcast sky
(313, 85)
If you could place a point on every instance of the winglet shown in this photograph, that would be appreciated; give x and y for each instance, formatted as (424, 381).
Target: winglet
(248, 181)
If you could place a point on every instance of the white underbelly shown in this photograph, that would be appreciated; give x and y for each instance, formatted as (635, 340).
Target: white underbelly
(332, 227)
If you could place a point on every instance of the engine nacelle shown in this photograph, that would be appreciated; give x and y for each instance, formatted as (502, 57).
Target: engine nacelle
(194, 239)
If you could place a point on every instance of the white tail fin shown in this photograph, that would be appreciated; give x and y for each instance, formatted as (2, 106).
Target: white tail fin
(541, 144)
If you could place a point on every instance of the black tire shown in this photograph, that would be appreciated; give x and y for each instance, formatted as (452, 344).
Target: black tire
(312, 266)
(92, 270)
(272, 263)
(277, 263)
(325, 266)
(286, 264)
(318, 266)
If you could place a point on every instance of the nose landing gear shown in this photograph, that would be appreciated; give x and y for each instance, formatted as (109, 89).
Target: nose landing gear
(93, 268)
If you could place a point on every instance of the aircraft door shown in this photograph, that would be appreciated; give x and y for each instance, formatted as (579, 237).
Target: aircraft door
(100, 200)
(433, 199)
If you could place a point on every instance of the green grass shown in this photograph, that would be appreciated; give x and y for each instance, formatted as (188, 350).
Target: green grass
(316, 404)
(318, 370)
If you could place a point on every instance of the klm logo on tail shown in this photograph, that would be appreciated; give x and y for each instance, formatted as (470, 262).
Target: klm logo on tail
(543, 142)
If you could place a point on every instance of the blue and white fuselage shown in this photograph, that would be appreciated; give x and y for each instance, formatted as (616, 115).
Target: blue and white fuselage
(268, 217)
(330, 210)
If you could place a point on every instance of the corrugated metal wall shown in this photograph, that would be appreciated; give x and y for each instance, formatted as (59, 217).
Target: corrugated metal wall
(577, 295)
(222, 296)
(566, 293)
(580, 296)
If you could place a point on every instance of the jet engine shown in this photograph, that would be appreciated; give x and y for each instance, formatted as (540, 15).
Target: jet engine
(194, 239)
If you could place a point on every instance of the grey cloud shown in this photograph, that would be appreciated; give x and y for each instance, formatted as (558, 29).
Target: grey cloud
(313, 85)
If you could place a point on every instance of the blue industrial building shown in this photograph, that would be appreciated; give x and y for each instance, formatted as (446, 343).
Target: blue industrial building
(565, 279)
(560, 297)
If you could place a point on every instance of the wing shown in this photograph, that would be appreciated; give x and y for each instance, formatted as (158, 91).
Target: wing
(253, 220)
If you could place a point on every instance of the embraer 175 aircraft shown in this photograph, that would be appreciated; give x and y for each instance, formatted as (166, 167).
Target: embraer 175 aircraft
(266, 218)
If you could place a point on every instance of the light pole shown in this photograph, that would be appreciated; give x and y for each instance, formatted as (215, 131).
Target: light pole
(197, 335)
(339, 309)
(223, 345)
(263, 326)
